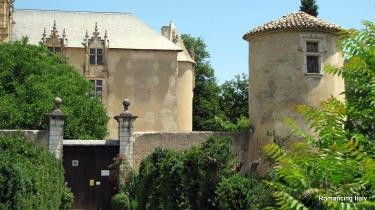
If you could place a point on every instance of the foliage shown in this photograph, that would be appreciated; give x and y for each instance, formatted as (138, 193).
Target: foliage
(30, 177)
(340, 160)
(159, 180)
(243, 124)
(215, 107)
(31, 77)
(204, 167)
(67, 198)
(359, 75)
(234, 98)
(310, 7)
(120, 202)
(183, 180)
(239, 192)
(206, 91)
(120, 171)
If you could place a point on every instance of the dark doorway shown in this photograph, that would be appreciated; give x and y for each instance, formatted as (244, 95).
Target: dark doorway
(87, 174)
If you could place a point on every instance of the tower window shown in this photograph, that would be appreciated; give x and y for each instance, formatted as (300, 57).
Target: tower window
(312, 47)
(313, 65)
(96, 56)
(312, 57)
(98, 88)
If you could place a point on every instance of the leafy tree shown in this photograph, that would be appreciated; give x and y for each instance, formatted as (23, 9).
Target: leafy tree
(206, 91)
(310, 7)
(340, 161)
(234, 102)
(359, 75)
(30, 177)
(31, 77)
(234, 97)
(215, 107)
(184, 180)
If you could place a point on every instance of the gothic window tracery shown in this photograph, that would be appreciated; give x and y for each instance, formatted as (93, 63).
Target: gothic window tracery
(96, 47)
(54, 42)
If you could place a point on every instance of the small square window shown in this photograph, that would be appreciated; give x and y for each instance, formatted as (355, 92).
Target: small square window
(92, 50)
(100, 51)
(312, 47)
(57, 49)
(313, 64)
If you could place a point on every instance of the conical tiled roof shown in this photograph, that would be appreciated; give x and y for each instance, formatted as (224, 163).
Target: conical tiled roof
(296, 21)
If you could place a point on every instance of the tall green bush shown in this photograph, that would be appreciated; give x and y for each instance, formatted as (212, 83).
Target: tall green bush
(183, 180)
(238, 192)
(120, 201)
(30, 177)
(31, 77)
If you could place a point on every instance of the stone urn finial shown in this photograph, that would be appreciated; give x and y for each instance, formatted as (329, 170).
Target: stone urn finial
(126, 104)
(58, 103)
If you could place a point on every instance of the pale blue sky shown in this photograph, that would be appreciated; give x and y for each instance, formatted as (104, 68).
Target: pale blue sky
(220, 23)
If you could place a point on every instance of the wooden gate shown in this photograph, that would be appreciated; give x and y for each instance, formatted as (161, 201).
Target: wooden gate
(87, 174)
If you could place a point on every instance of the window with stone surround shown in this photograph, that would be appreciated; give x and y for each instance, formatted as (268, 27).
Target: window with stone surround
(54, 42)
(96, 56)
(56, 50)
(312, 57)
(98, 88)
(313, 48)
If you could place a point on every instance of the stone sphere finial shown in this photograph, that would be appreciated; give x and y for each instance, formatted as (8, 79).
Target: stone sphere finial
(126, 104)
(58, 103)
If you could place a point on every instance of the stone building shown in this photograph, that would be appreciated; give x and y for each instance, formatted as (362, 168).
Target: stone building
(121, 56)
(286, 68)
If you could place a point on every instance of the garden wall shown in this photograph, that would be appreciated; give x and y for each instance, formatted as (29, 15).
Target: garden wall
(146, 142)
(39, 136)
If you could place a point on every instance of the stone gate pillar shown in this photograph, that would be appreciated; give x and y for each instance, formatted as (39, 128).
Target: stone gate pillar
(56, 130)
(125, 130)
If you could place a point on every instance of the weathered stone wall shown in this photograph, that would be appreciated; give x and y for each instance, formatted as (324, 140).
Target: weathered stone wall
(38, 136)
(185, 96)
(278, 80)
(145, 143)
(146, 77)
(5, 20)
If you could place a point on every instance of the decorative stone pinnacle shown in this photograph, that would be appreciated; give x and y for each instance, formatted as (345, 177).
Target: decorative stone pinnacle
(96, 32)
(126, 104)
(87, 34)
(58, 103)
(54, 24)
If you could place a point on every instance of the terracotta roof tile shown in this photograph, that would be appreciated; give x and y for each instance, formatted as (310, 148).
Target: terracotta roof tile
(296, 21)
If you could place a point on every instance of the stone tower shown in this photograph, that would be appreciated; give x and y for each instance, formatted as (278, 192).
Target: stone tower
(185, 79)
(286, 68)
(6, 22)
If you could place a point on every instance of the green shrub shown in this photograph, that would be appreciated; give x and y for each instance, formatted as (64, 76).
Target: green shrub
(31, 77)
(120, 201)
(67, 198)
(30, 177)
(183, 180)
(239, 192)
